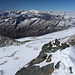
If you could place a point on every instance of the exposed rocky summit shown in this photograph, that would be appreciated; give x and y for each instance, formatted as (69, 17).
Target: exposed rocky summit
(17, 24)
(32, 69)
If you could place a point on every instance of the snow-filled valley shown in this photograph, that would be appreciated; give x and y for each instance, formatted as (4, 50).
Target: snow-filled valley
(13, 58)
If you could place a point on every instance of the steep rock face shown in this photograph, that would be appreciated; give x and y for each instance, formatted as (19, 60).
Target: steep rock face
(32, 23)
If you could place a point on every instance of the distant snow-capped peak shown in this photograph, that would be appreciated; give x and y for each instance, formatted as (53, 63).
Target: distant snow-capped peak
(34, 11)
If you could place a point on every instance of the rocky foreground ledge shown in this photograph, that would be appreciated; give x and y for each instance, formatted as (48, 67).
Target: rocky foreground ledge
(32, 69)
(31, 23)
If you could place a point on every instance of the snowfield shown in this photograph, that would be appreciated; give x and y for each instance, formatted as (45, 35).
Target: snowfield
(13, 58)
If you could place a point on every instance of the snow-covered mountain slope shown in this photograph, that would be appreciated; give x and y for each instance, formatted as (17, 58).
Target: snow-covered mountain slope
(18, 24)
(67, 60)
(13, 58)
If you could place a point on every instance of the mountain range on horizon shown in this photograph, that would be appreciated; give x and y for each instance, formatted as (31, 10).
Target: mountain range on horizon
(26, 23)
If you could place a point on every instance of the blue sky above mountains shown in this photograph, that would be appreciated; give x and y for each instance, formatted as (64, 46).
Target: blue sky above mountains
(37, 5)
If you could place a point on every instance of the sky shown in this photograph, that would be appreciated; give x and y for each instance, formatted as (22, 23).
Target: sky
(37, 5)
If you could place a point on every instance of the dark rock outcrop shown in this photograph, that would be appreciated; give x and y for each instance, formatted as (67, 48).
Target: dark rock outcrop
(47, 48)
(6, 41)
(71, 40)
(49, 58)
(38, 60)
(36, 70)
(57, 65)
(70, 68)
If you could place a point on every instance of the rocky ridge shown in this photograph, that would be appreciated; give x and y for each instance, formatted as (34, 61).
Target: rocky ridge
(32, 69)
(17, 24)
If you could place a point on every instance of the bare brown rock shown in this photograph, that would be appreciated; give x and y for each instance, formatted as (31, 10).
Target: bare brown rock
(49, 71)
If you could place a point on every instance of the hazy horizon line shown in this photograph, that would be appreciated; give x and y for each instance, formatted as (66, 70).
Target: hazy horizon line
(33, 9)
